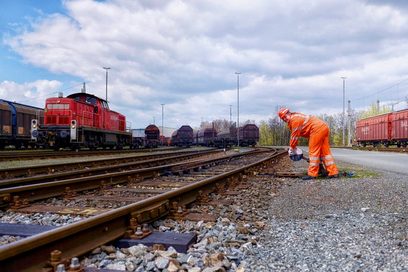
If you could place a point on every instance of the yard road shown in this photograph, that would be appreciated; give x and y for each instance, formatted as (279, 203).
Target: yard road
(388, 161)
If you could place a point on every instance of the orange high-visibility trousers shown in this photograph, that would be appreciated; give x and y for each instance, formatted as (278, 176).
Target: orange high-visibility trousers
(319, 150)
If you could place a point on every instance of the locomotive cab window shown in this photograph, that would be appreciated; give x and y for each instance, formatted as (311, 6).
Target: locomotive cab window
(105, 105)
(57, 106)
(90, 100)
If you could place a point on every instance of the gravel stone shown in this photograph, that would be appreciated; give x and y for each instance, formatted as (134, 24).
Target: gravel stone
(161, 262)
(345, 224)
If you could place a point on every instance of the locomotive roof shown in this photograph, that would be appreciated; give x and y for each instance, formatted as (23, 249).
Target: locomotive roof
(85, 94)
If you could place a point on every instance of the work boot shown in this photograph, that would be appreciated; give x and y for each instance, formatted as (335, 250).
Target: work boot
(308, 177)
(334, 176)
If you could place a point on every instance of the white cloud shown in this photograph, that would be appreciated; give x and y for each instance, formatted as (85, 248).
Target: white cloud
(185, 53)
(31, 93)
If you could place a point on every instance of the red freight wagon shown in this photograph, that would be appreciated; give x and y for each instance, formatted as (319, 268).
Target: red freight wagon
(374, 130)
(82, 120)
(400, 128)
(387, 129)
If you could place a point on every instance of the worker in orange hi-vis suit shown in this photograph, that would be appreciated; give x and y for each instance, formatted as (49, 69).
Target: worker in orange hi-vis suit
(317, 131)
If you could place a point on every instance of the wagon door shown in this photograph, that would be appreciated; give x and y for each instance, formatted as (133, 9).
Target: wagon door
(96, 117)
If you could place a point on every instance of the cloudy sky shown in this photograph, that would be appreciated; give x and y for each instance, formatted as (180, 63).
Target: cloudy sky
(184, 54)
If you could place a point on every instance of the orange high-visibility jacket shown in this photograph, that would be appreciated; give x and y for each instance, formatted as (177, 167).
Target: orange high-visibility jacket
(302, 125)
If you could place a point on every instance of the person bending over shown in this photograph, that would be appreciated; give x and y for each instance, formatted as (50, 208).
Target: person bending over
(317, 131)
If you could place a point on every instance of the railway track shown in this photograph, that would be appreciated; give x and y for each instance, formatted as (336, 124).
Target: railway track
(140, 197)
(19, 192)
(60, 170)
(47, 154)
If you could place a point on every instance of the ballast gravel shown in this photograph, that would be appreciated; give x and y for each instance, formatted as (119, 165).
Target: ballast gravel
(345, 224)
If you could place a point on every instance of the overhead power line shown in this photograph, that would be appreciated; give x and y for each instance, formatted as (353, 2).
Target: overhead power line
(382, 90)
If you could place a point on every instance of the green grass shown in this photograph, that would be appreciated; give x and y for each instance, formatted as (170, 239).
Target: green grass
(359, 172)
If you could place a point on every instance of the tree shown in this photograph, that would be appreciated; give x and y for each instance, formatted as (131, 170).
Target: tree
(265, 134)
(219, 125)
(373, 110)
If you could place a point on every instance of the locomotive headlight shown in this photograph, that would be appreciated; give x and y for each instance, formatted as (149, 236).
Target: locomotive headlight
(34, 129)
(73, 131)
(34, 124)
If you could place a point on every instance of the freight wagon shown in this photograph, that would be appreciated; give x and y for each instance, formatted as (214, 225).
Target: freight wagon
(386, 129)
(82, 120)
(16, 123)
(226, 138)
(138, 138)
(248, 136)
(399, 128)
(183, 137)
(206, 137)
(152, 138)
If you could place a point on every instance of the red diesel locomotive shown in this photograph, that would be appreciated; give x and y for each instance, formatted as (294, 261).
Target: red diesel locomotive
(81, 120)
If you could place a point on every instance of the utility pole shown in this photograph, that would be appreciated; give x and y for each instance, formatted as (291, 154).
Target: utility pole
(230, 123)
(344, 108)
(162, 123)
(378, 106)
(106, 69)
(237, 73)
(349, 123)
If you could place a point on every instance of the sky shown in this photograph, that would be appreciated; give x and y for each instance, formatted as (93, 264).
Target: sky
(185, 55)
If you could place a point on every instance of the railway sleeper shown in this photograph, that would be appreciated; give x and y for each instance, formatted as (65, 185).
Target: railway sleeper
(151, 213)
